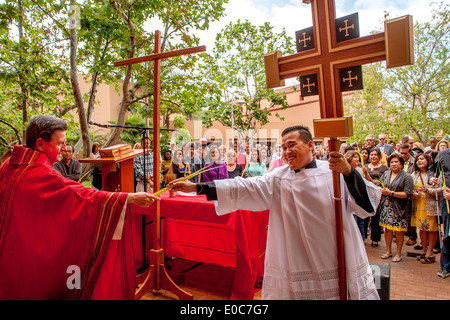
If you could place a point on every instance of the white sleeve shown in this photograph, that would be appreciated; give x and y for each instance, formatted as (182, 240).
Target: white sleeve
(374, 194)
(253, 194)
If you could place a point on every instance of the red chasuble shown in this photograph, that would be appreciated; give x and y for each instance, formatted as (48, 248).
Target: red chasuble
(50, 225)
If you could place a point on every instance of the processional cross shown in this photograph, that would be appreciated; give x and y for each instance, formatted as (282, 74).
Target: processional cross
(334, 52)
(156, 277)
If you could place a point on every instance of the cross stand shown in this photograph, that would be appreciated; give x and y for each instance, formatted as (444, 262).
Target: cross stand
(324, 50)
(156, 276)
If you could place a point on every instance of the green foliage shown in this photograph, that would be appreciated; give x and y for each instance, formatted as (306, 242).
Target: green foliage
(33, 69)
(183, 135)
(179, 121)
(411, 99)
(235, 71)
(180, 85)
(132, 136)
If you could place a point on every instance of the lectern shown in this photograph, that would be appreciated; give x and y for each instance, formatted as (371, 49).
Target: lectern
(117, 172)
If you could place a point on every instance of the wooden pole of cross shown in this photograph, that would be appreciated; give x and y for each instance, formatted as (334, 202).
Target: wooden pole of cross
(324, 50)
(156, 277)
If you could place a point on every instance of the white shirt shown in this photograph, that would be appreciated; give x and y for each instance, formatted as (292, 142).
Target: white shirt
(301, 258)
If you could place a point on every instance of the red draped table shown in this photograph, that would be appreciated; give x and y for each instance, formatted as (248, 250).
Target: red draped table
(192, 230)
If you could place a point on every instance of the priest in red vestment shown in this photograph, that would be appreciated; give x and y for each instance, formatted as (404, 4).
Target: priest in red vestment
(51, 226)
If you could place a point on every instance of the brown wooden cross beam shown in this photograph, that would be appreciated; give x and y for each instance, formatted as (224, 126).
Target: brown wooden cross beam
(328, 55)
(156, 277)
(324, 50)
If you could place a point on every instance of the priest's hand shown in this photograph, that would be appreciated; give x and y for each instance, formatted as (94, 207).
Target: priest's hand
(338, 163)
(184, 186)
(142, 199)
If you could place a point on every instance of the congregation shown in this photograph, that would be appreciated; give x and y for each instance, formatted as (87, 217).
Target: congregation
(413, 179)
(411, 176)
(394, 190)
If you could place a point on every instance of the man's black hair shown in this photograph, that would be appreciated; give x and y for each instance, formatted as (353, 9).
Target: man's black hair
(71, 147)
(303, 132)
(405, 146)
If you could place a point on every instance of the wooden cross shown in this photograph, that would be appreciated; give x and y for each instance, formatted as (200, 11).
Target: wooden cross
(326, 57)
(156, 277)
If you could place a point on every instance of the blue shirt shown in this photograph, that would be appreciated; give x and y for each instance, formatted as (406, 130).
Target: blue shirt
(255, 169)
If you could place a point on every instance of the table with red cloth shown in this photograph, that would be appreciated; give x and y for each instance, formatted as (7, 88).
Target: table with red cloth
(192, 230)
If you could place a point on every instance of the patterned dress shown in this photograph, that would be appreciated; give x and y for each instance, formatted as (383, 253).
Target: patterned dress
(390, 207)
(388, 218)
(420, 218)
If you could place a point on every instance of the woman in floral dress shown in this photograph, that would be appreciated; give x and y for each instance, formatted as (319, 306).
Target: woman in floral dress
(397, 188)
(425, 209)
(372, 171)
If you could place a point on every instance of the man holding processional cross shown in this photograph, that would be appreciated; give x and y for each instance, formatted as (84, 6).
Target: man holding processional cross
(301, 261)
(307, 257)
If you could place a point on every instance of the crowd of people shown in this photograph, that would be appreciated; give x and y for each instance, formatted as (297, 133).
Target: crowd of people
(415, 196)
(218, 161)
(410, 179)
(413, 200)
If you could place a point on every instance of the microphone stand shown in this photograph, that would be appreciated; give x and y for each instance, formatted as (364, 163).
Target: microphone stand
(144, 136)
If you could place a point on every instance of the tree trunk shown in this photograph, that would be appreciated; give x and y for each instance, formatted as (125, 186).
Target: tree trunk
(94, 81)
(92, 93)
(76, 87)
(23, 88)
(124, 105)
(126, 90)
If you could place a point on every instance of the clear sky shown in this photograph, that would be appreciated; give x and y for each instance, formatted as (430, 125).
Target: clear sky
(295, 15)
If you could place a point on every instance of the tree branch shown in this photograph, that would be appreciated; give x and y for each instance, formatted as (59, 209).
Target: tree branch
(65, 110)
(63, 28)
(14, 129)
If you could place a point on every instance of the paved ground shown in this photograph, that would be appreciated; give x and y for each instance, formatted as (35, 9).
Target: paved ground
(410, 279)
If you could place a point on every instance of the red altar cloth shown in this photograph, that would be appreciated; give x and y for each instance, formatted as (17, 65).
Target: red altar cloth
(192, 230)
